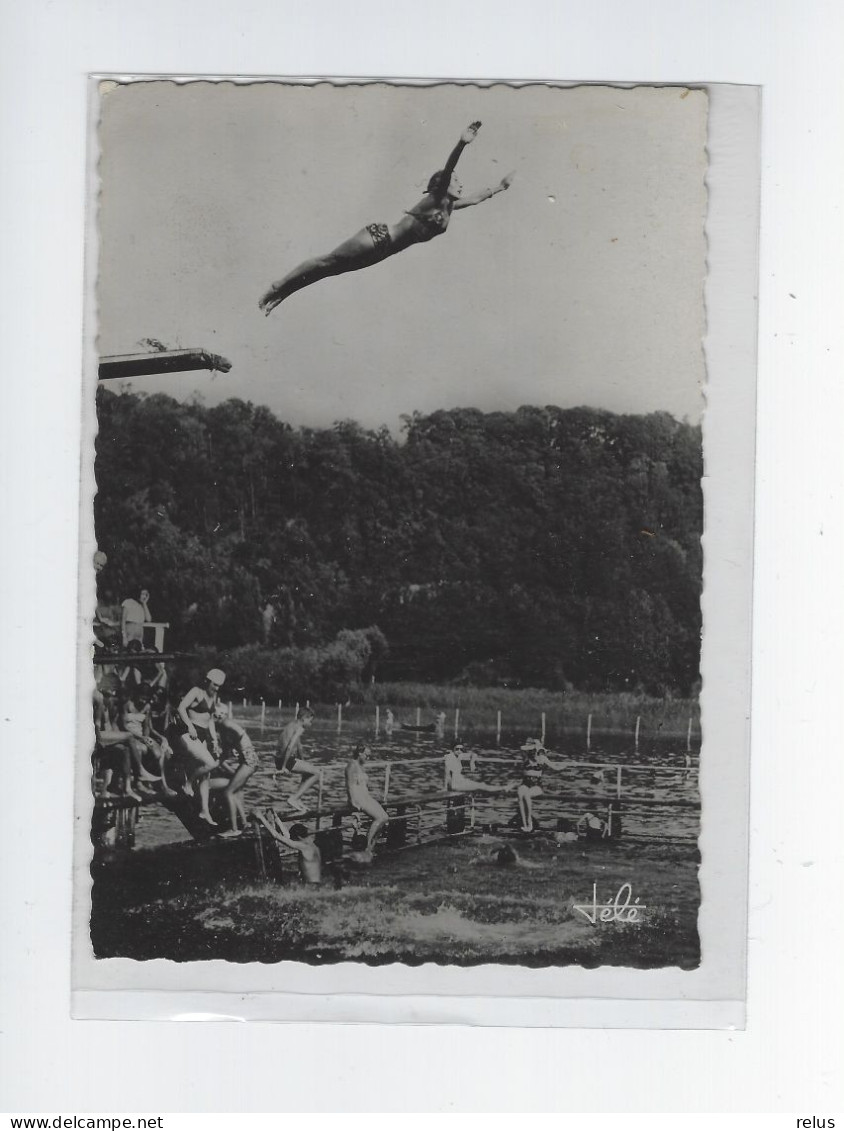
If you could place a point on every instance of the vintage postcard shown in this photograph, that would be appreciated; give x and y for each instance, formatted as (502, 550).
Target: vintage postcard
(399, 550)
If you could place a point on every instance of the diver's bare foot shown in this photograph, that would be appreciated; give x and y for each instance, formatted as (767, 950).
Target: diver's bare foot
(270, 301)
(208, 819)
(296, 806)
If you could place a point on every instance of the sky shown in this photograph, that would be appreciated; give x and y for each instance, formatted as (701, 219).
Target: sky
(581, 285)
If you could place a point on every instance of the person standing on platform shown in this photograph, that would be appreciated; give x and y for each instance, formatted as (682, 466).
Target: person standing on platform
(134, 615)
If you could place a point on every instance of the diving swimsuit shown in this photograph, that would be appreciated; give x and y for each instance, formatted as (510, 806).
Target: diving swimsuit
(532, 772)
(203, 730)
(380, 237)
(430, 224)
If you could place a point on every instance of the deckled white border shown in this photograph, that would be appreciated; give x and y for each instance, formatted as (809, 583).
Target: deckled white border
(512, 995)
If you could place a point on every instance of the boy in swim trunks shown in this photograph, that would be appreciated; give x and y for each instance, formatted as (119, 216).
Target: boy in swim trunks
(288, 758)
(361, 800)
(297, 837)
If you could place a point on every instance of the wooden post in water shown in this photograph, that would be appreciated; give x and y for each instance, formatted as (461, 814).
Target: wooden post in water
(542, 740)
(418, 716)
(377, 718)
(319, 792)
(498, 729)
(618, 782)
(456, 721)
(689, 737)
(387, 781)
(279, 704)
(589, 733)
(231, 710)
(296, 712)
(263, 715)
(636, 740)
(339, 717)
(244, 700)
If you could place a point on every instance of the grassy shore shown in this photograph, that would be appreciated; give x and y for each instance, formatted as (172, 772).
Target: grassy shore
(563, 710)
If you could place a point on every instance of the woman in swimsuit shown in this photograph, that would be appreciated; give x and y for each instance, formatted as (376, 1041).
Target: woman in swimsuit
(376, 242)
(534, 766)
(137, 720)
(196, 713)
(239, 762)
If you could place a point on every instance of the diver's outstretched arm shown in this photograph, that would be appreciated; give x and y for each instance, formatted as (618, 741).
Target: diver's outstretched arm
(484, 194)
(466, 138)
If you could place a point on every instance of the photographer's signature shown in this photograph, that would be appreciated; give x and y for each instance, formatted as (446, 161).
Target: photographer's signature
(620, 908)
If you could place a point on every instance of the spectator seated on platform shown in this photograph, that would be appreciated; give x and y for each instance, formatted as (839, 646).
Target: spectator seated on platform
(110, 692)
(137, 720)
(107, 626)
(455, 781)
(361, 800)
(535, 763)
(112, 757)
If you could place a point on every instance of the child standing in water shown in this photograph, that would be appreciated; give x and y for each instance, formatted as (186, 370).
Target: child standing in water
(298, 838)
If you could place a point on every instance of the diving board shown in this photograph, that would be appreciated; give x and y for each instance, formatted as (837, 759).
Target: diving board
(161, 361)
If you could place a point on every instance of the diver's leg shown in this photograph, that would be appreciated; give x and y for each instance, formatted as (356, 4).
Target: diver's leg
(351, 255)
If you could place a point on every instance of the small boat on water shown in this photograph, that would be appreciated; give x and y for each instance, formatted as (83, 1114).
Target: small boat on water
(419, 728)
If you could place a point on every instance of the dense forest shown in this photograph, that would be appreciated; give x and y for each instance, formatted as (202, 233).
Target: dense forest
(547, 547)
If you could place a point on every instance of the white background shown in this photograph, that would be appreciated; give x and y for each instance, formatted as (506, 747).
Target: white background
(789, 1058)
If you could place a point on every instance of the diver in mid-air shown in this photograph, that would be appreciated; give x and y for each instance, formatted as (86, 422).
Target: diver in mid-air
(376, 242)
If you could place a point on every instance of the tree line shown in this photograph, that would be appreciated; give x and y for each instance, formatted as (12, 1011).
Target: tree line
(545, 547)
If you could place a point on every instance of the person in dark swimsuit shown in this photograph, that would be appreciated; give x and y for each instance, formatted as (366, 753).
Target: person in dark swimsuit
(376, 242)
(239, 763)
(199, 740)
(533, 768)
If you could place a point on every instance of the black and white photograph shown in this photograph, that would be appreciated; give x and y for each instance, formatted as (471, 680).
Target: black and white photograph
(399, 566)
(420, 654)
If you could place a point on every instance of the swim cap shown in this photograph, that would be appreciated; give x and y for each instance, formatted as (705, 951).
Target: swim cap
(216, 677)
